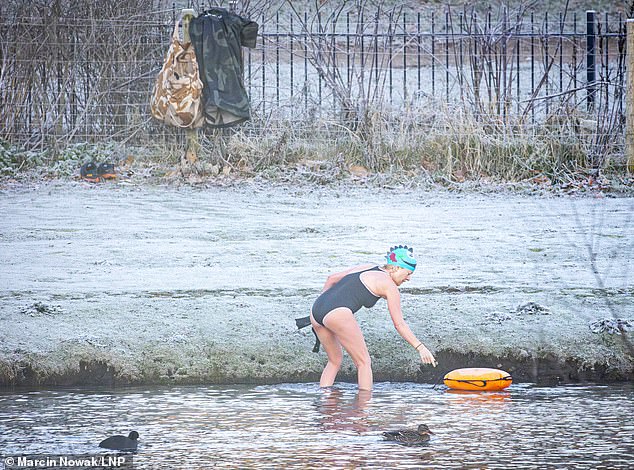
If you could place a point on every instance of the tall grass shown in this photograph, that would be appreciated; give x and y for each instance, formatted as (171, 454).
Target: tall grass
(444, 142)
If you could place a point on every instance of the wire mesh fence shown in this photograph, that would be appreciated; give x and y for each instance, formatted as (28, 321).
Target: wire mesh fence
(88, 76)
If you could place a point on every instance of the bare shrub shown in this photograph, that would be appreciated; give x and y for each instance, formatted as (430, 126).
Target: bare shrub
(77, 69)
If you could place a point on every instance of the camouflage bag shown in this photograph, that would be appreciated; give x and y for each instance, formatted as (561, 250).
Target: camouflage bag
(177, 96)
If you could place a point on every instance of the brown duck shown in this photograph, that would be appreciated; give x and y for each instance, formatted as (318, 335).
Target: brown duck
(409, 437)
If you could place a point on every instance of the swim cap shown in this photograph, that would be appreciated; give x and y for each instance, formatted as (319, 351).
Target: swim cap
(402, 256)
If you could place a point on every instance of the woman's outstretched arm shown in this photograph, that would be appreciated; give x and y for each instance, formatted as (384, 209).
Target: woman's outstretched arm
(394, 307)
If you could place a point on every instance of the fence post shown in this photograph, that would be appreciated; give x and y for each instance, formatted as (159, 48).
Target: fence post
(192, 145)
(591, 73)
(629, 97)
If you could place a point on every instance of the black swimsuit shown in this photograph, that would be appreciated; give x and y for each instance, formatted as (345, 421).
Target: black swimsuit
(349, 292)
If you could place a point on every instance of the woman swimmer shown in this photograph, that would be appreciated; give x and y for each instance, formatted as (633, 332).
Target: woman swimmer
(345, 292)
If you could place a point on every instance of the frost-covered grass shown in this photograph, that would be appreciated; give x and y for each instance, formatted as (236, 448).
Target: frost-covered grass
(125, 284)
(445, 144)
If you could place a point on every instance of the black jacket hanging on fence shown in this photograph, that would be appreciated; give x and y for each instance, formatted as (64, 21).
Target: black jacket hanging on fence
(217, 35)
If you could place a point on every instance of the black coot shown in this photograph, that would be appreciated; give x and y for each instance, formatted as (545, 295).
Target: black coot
(121, 442)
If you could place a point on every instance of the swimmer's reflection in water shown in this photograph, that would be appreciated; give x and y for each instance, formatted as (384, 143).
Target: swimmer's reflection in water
(341, 413)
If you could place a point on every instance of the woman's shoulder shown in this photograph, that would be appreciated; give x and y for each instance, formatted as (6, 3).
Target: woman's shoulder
(377, 278)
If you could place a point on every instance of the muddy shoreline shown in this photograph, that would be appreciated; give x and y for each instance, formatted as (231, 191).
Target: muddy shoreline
(125, 284)
(545, 372)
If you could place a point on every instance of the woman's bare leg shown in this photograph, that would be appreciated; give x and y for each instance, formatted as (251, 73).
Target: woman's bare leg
(333, 351)
(344, 326)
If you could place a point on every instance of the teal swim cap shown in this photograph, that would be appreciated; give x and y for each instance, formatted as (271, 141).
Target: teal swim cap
(402, 256)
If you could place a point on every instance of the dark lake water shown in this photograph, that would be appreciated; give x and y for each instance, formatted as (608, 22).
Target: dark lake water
(302, 426)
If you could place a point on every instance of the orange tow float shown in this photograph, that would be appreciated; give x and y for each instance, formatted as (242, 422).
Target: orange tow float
(478, 379)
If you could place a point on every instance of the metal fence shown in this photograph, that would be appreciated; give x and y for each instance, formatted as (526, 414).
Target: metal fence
(80, 79)
(514, 65)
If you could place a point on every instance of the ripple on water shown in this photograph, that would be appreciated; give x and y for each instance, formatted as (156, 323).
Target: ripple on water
(303, 426)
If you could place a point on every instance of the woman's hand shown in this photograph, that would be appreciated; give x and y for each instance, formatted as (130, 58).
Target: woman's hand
(426, 356)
